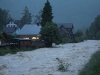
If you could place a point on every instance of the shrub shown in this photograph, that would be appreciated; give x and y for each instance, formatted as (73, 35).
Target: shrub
(66, 40)
(6, 50)
(79, 36)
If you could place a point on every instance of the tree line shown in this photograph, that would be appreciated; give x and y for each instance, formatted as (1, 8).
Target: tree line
(93, 32)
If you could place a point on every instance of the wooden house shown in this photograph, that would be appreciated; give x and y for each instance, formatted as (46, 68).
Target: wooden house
(11, 27)
(66, 30)
(30, 31)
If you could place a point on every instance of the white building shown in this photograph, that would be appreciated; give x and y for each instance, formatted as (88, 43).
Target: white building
(11, 27)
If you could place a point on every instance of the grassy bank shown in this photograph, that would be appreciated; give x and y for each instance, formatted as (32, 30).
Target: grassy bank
(93, 66)
(4, 51)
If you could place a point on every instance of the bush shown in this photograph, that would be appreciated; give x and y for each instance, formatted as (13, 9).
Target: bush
(79, 36)
(66, 40)
(6, 50)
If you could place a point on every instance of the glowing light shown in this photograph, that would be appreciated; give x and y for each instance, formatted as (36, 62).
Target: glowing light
(34, 38)
(26, 38)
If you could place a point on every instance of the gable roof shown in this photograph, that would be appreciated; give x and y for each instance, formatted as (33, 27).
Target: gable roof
(11, 20)
(9, 29)
(66, 25)
(29, 29)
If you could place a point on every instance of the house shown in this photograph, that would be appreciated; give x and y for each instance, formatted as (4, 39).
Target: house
(18, 22)
(66, 30)
(29, 31)
(11, 27)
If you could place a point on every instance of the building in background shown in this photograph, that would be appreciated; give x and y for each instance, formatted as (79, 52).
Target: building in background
(11, 27)
(30, 31)
(66, 30)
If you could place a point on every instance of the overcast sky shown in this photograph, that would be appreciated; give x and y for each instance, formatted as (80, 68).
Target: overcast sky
(79, 12)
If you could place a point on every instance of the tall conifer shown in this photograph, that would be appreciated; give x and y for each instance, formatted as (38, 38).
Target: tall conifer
(46, 14)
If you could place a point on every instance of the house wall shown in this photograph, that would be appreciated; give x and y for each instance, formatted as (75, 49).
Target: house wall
(29, 37)
(65, 32)
(25, 43)
(11, 24)
(32, 44)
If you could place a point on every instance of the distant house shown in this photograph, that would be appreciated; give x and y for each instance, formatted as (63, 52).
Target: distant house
(18, 22)
(11, 27)
(29, 31)
(66, 30)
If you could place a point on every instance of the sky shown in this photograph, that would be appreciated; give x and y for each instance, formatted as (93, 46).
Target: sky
(79, 12)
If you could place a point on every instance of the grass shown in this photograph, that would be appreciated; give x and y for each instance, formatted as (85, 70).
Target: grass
(93, 66)
(4, 51)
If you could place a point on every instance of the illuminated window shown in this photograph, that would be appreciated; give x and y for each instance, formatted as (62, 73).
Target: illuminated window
(34, 38)
(26, 38)
(37, 37)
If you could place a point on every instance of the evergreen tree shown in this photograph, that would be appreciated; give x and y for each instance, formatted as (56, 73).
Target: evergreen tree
(38, 18)
(27, 18)
(46, 14)
(1, 36)
(97, 23)
(94, 29)
(87, 32)
(4, 17)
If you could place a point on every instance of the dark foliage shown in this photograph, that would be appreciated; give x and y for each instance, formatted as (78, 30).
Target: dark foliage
(93, 66)
(94, 29)
(27, 18)
(4, 17)
(50, 33)
(79, 36)
(46, 14)
(1, 36)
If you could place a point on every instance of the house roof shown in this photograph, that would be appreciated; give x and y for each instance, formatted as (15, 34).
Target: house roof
(29, 29)
(9, 29)
(18, 22)
(10, 21)
(66, 25)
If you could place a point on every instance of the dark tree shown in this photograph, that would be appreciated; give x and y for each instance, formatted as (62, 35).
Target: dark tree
(1, 36)
(46, 14)
(27, 18)
(38, 18)
(87, 32)
(50, 33)
(94, 29)
(4, 17)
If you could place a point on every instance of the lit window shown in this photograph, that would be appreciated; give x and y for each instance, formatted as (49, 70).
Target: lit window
(34, 38)
(26, 38)
(37, 37)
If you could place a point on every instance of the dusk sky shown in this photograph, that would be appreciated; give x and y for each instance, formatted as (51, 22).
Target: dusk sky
(79, 12)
